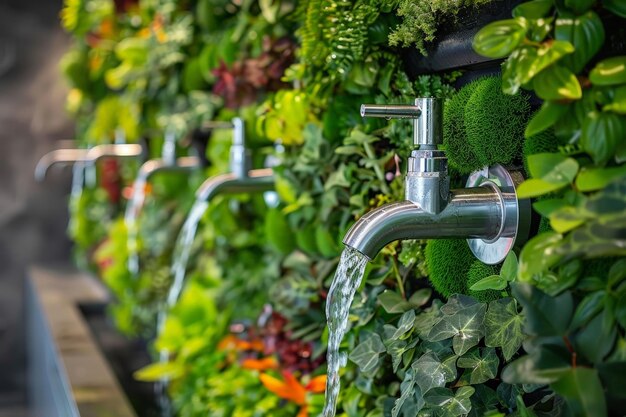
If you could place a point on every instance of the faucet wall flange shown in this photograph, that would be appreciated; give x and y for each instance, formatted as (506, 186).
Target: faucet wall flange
(515, 225)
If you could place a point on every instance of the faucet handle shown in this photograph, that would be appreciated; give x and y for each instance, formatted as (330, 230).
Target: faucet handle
(427, 115)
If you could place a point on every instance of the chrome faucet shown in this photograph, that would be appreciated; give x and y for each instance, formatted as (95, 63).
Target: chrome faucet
(487, 213)
(58, 157)
(109, 150)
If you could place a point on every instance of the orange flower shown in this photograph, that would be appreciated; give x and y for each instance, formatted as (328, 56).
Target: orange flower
(292, 390)
(260, 364)
(232, 342)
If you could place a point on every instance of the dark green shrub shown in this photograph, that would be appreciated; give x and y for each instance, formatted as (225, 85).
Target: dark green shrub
(448, 262)
(478, 271)
(495, 122)
(461, 156)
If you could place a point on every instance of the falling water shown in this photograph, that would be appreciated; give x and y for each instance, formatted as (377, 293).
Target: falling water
(130, 220)
(347, 280)
(182, 251)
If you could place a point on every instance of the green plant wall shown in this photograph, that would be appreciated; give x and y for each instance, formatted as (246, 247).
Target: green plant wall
(433, 332)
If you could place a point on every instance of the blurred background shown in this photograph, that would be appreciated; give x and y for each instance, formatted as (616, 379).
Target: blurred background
(33, 217)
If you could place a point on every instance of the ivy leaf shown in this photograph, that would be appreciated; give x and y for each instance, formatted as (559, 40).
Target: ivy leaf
(547, 116)
(408, 391)
(610, 71)
(500, 38)
(405, 324)
(585, 32)
(503, 326)
(465, 327)
(545, 315)
(537, 255)
(397, 348)
(557, 83)
(450, 404)
(366, 355)
(430, 372)
(583, 391)
(482, 362)
(601, 133)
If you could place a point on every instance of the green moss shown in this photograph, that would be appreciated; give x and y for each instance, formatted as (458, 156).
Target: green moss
(495, 122)
(478, 271)
(461, 156)
(448, 261)
(542, 142)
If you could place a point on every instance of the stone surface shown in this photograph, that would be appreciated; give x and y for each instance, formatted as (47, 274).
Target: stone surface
(33, 217)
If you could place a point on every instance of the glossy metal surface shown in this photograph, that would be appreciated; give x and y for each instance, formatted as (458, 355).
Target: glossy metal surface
(473, 212)
(256, 180)
(58, 157)
(117, 151)
(515, 213)
(155, 166)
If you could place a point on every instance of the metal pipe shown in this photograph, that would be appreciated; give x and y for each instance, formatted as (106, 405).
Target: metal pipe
(256, 180)
(470, 213)
(59, 156)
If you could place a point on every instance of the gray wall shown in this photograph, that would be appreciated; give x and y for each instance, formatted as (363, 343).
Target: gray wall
(33, 217)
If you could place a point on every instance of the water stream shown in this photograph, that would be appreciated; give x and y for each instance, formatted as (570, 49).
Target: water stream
(130, 220)
(347, 280)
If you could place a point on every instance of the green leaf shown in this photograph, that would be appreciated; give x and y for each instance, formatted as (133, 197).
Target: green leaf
(601, 133)
(547, 207)
(522, 409)
(543, 366)
(420, 297)
(464, 326)
(617, 273)
(158, 371)
(449, 404)
(586, 341)
(509, 267)
(620, 311)
(610, 71)
(557, 83)
(537, 255)
(583, 391)
(535, 9)
(579, 6)
(618, 104)
(482, 362)
(592, 179)
(499, 39)
(408, 391)
(617, 7)
(492, 282)
(405, 324)
(430, 372)
(613, 376)
(547, 116)
(393, 302)
(545, 315)
(503, 327)
(553, 167)
(535, 187)
(567, 218)
(585, 32)
(367, 354)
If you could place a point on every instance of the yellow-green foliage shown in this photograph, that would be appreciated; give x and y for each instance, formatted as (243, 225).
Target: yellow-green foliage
(495, 122)
(461, 157)
(478, 271)
(448, 262)
(542, 142)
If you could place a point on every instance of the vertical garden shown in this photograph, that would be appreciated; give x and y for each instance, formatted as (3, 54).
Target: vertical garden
(432, 331)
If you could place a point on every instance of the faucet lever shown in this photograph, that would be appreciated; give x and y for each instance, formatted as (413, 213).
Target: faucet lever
(427, 115)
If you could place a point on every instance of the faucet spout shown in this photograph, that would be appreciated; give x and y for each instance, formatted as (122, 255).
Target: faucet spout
(256, 180)
(470, 213)
(59, 156)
